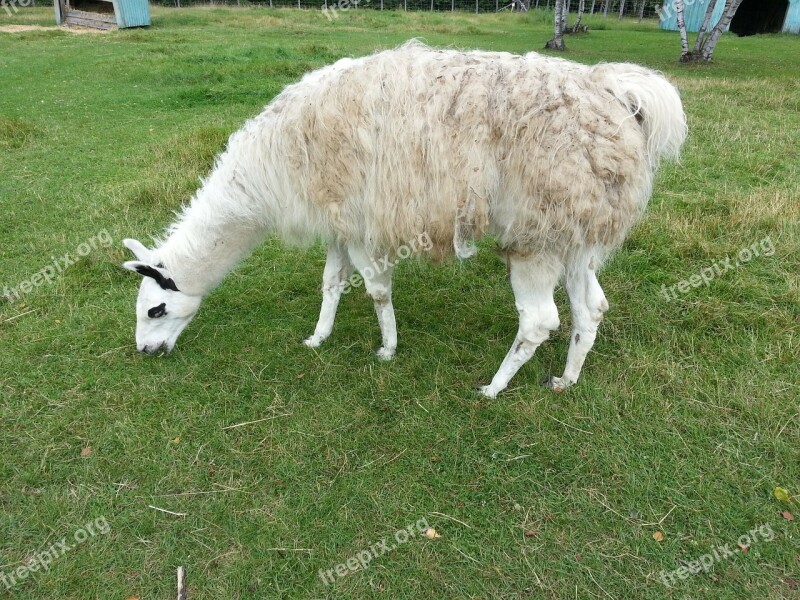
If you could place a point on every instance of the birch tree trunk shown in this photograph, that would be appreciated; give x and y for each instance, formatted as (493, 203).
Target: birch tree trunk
(591, 12)
(605, 8)
(565, 16)
(581, 8)
(641, 10)
(557, 43)
(701, 35)
(685, 56)
(731, 6)
(621, 8)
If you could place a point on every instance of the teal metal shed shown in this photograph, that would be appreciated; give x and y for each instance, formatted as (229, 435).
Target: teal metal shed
(753, 16)
(103, 14)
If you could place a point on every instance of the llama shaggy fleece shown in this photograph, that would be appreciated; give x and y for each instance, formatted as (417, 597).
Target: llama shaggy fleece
(542, 153)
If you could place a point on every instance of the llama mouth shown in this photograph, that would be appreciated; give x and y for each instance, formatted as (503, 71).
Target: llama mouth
(160, 349)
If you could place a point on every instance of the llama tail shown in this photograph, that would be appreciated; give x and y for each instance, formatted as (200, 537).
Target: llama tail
(654, 101)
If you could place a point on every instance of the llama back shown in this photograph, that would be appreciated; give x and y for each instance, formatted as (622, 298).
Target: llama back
(541, 152)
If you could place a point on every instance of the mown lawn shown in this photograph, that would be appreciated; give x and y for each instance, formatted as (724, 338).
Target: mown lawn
(684, 423)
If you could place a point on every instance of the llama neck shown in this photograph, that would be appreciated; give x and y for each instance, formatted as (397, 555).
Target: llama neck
(212, 234)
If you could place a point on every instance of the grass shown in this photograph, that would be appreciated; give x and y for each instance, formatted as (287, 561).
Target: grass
(684, 422)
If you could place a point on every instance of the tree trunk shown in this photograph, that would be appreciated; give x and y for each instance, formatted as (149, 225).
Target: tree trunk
(581, 7)
(641, 10)
(701, 35)
(731, 6)
(685, 57)
(565, 16)
(591, 12)
(557, 43)
(605, 8)
(621, 8)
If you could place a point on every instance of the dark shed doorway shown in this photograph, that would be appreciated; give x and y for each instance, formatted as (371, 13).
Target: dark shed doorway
(759, 16)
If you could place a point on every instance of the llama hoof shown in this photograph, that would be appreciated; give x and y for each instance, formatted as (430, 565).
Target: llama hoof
(384, 354)
(557, 384)
(488, 391)
(313, 342)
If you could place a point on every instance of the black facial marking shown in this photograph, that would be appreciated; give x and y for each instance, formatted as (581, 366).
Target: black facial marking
(165, 283)
(157, 311)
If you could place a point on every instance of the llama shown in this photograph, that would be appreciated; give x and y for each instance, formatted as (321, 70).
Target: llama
(553, 159)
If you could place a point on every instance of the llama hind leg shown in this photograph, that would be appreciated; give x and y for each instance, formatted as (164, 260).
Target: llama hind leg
(378, 282)
(587, 303)
(337, 269)
(533, 281)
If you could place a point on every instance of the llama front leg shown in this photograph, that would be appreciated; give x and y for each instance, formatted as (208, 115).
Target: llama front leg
(588, 303)
(378, 282)
(533, 281)
(337, 269)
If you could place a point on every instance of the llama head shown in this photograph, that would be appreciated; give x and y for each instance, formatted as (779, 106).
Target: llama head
(162, 310)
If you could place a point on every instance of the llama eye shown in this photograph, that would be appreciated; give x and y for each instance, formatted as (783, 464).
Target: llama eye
(157, 311)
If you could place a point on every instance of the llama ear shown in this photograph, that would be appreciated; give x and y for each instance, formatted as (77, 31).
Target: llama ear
(138, 248)
(160, 274)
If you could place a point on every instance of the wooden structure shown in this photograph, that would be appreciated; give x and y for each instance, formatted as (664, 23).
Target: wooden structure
(103, 14)
(753, 16)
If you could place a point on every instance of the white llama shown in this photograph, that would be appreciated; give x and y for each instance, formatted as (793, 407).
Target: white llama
(553, 159)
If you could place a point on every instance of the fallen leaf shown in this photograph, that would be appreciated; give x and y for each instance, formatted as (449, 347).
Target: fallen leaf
(86, 452)
(177, 440)
(792, 583)
(530, 533)
(301, 375)
(658, 536)
(431, 533)
(132, 598)
(782, 495)
(743, 548)
(435, 459)
(787, 515)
